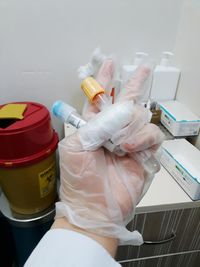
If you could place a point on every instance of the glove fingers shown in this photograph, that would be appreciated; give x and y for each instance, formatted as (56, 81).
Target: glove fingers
(134, 89)
(140, 117)
(105, 73)
(105, 124)
(150, 136)
(89, 110)
(126, 181)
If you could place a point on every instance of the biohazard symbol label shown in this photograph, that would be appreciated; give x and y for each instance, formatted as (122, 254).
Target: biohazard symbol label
(47, 180)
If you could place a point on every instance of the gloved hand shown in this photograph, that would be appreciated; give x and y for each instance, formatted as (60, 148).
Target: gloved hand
(99, 190)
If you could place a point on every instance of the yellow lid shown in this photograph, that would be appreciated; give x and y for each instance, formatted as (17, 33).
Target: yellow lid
(91, 88)
(12, 111)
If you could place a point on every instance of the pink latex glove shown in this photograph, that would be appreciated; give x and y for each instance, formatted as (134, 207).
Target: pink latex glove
(99, 190)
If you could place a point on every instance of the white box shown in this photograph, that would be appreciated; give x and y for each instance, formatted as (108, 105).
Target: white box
(178, 119)
(182, 160)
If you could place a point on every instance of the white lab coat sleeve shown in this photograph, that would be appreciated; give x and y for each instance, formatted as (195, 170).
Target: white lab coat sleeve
(61, 248)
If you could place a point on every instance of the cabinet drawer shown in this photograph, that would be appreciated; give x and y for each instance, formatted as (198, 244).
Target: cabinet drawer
(181, 260)
(160, 226)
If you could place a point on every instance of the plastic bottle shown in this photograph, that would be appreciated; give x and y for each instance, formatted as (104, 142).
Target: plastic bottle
(165, 79)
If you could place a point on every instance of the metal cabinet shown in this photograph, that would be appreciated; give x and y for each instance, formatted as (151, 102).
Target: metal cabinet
(165, 233)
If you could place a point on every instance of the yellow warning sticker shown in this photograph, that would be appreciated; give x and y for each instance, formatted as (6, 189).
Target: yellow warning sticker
(47, 180)
(12, 111)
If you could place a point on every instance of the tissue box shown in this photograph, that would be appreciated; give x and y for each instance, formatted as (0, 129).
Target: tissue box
(178, 119)
(182, 160)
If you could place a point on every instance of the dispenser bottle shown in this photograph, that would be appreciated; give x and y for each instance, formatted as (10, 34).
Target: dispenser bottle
(165, 79)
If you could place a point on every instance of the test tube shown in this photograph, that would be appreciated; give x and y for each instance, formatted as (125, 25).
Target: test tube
(96, 95)
(69, 114)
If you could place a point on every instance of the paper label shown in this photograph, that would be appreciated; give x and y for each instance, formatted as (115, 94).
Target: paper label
(47, 180)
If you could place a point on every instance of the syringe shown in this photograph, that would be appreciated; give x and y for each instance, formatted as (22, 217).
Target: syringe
(69, 114)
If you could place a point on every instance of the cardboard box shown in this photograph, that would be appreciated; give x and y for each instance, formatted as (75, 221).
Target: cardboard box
(156, 116)
(178, 119)
(182, 160)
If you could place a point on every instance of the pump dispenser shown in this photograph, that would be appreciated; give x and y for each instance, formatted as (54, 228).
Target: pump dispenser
(166, 59)
(165, 79)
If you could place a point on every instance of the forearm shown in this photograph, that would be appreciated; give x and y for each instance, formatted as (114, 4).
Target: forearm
(110, 244)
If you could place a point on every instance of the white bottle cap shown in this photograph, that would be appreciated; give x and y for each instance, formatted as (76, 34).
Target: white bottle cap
(140, 58)
(166, 58)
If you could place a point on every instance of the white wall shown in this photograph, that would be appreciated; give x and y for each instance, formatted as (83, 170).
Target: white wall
(187, 56)
(43, 42)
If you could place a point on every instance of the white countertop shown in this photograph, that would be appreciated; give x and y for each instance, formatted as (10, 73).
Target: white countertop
(165, 194)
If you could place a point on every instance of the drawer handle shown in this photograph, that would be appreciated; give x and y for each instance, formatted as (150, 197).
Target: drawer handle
(169, 239)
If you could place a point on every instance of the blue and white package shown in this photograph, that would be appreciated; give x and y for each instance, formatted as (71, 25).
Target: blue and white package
(178, 119)
(182, 160)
